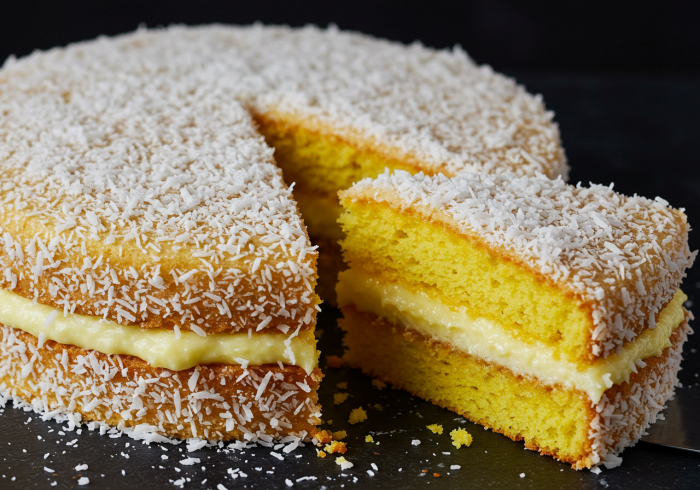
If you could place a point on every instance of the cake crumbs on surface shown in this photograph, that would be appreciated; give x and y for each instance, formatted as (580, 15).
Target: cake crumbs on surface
(461, 437)
(379, 384)
(324, 436)
(320, 454)
(369, 438)
(435, 428)
(336, 447)
(342, 386)
(339, 398)
(339, 435)
(357, 415)
(436, 475)
(334, 362)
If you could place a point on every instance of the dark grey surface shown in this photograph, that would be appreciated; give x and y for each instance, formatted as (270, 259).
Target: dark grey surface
(680, 427)
(640, 133)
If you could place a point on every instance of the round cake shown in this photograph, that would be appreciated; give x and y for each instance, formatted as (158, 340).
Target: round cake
(156, 271)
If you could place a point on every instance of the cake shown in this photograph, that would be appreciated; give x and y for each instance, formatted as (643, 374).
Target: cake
(547, 312)
(156, 273)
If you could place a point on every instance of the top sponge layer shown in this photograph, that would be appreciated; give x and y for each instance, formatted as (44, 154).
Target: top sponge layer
(621, 258)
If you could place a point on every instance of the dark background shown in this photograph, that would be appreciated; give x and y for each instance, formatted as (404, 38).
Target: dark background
(512, 35)
(624, 81)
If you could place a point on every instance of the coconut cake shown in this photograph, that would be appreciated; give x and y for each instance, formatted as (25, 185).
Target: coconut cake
(551, 313)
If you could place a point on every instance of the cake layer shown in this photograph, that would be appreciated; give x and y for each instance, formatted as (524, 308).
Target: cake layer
(584, 270)
(489, 341)
(169, 349)
(554, 420)
(317, 158)
(216, 402)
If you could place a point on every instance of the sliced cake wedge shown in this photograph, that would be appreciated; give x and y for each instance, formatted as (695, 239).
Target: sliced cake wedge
(548, 312)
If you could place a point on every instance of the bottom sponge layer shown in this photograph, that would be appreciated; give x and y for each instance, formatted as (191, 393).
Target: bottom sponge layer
(553, 420)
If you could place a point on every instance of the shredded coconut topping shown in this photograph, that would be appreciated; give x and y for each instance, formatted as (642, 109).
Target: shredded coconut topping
(625, 256)
(133, 186)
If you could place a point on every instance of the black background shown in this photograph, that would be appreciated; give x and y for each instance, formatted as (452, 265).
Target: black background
(619, 36)
(624, 81)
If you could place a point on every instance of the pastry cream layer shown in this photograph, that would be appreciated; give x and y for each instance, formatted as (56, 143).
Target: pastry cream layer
(158, 347)
(487, 340)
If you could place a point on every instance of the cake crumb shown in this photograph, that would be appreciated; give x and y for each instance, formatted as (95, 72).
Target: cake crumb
(344, 463)
(436, 475)
(334, 362)
(320, 454)
(379, 384)
(343, 385)
(339, 398)
(435, 428)
(336, 447)
(461, 437)
(324, 437)
(357, 415)
(369, 439)
(339, 435)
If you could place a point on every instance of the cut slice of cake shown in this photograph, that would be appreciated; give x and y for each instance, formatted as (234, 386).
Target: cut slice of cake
(547, 312)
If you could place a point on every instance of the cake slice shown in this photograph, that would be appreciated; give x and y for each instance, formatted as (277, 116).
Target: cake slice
(547, 312)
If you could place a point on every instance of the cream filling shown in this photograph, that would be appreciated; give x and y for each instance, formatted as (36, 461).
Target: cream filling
(158, 347)
(489, 341)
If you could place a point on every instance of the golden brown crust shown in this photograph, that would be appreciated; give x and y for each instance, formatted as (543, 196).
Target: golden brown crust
(126, 400)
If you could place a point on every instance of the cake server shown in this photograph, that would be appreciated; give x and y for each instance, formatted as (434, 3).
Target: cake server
(681, 427)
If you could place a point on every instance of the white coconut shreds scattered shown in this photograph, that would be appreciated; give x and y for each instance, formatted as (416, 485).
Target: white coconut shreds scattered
(57, 382)
(626, 256)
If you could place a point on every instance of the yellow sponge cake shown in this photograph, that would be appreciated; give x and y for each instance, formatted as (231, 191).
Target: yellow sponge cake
(548, 312)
